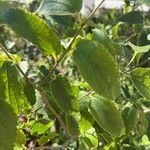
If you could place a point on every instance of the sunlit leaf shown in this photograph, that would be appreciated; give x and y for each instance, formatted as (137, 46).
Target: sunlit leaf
(20, 140)
(40, 128)
(139, 49)
(11, 89)
(8, 122)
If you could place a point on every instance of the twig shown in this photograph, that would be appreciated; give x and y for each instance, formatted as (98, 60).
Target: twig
(131, 36)
(37, 88)
(72, 41)
(54, 112)
(87, 94)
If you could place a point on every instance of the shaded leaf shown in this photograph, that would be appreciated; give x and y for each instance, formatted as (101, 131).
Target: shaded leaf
(98, 68)
(143, 124)
(102, 134)
(8, 123)
(83, 108)
(3, 9)
(107, 116)
(29, 92)
(111, 45)
(141, 80)
(146, 2)
(72, 125)
(63, 94)
(130, 116)
(62, 20)
(133, 17)
(34, 29)
(59, 7)
(46, 87)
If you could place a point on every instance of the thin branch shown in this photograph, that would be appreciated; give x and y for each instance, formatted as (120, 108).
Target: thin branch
(54, 112)
(17, 66)
(72, 41)
(87, 94)
(131, 36)
(37, 88)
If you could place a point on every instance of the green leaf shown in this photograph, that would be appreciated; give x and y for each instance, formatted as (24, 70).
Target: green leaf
(141, 80)
(46, 87)
(88, 133)
(83, 108)
(112, 146)
(3, 9)
(143, 124)
(107, 116)
(11, 89)
(40, 128)
(46, 138)
(20, 139)
(146, 2)
(72, 125)
(139, 49)
(130, 116)
(8, 123)
(63, 94)
(106, 137)
(84, 125)
(4, 57)
(83, 145)
(34, 29)
(133, 17)
(111, 45)
(65, 21)
(29, 92)
(59, 7)
(98, 68)
(39, 106)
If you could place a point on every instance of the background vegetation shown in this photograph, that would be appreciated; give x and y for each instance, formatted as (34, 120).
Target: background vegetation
(70, 82)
